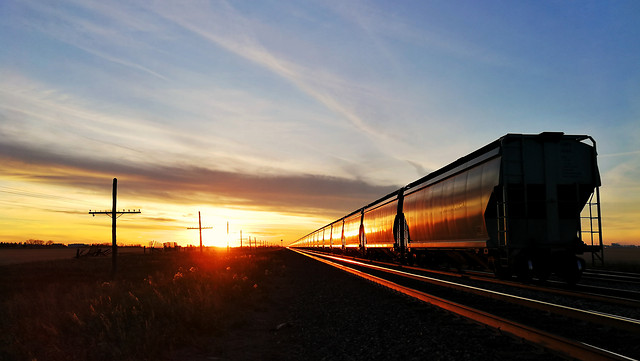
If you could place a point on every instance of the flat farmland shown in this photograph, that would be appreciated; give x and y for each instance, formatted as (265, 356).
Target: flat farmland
(623, 256)
(270, 304)
(267, 304)
(24, 255)
(622, 259)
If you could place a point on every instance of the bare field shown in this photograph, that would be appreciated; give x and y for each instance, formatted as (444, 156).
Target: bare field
(72, 309)
(626, 255)
(612, 256)
(15, 256)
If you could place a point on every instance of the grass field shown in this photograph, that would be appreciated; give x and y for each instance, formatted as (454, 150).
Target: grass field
(614, 257)
(72, 310)
(621, 259)
(23, 255)
(160, 302)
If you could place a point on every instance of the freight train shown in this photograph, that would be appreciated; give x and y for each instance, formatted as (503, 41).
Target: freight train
(513, 206)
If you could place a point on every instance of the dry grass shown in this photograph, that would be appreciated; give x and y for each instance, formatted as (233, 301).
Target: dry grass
(71, 310)
(624, 259)
(23, 255)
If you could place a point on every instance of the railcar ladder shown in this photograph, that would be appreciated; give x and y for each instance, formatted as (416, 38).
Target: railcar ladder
(591, 226)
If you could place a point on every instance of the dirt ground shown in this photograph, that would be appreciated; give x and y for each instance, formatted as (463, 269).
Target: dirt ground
(622, 255)
(312, 311)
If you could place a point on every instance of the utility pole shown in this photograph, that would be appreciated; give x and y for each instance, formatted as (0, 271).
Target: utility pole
(114, 214)
(200, 228)
(240, 239)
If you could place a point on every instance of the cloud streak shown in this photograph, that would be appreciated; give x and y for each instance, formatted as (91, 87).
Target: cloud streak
(296, 194)
(92, 37)
(228, 29)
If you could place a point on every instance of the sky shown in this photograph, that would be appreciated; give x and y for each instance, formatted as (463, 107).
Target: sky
(281, 116)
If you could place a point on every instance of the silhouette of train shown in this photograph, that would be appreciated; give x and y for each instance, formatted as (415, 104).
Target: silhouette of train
(513, 206)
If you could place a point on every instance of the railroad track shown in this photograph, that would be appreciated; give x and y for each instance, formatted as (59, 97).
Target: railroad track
(616, 296)
(501, 311)
(605, 275)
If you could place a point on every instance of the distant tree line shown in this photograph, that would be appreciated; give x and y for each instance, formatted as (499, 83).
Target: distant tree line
(38, 243)
(32, 243)
(619, 245)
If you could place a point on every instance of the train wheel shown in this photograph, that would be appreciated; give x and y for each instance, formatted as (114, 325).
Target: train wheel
(532, 269)
(541, 270)
(525, 271)
(542, 274)
(503, 273)
(573, 270)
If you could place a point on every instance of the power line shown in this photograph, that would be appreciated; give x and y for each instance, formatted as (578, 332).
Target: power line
(54, 203)
(28, 193)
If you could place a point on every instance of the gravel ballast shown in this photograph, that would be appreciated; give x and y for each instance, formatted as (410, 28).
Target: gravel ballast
(312, 311)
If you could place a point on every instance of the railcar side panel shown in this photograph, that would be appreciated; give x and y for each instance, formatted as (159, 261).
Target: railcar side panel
(351, 231)
(450, 213)
(378, 224)
(336, 234)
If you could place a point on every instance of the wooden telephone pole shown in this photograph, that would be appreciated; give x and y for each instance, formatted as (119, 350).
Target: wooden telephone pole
(200, 228)
(114, 214)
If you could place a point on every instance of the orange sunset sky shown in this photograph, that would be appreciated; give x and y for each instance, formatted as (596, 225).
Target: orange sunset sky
(279, 117)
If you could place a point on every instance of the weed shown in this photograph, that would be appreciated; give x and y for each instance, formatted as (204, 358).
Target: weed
(71, 310)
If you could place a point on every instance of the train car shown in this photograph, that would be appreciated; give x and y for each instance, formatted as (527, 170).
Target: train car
(336, 235)
(513, 206)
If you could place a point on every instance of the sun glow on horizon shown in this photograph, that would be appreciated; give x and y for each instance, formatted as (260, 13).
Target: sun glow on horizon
(61, 214)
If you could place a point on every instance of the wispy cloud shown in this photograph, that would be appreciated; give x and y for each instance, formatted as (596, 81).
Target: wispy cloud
(366, 113)
(192, 185)
(53, 120)
(219, 129)
(64, 23)
(230, 30)
(622, 154)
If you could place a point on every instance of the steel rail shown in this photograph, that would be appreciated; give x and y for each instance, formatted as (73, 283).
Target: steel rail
(611, 277)
(558, 344)
(622, 276)
(600, 318)
(616, 296)
(622, 297)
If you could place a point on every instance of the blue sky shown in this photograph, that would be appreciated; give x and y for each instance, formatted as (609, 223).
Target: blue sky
(301, 109)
